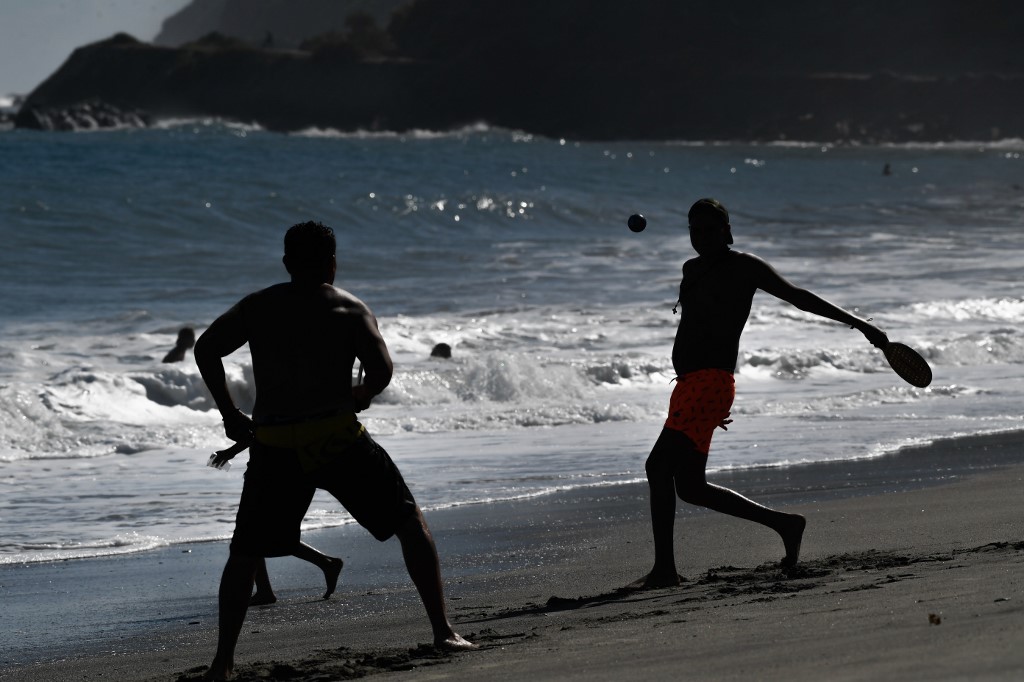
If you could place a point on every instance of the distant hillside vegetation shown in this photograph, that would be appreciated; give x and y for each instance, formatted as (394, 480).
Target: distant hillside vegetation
(936, 37)
(287, 23)
(871, 71)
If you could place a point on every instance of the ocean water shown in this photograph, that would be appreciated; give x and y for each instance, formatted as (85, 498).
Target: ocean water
(511, 248)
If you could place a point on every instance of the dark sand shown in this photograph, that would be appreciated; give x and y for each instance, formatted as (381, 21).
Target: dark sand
(913, 568)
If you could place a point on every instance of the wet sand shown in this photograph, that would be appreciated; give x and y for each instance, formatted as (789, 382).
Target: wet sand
(912, 568)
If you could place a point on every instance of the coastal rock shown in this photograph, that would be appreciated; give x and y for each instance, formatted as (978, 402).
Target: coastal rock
(89, 115)
(271, 23)
(804, 72)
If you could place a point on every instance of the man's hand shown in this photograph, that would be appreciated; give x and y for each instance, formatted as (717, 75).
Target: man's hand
(222, 457)
(238, 426)
(875, 336)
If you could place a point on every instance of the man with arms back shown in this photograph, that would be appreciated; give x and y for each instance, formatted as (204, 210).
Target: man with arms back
(715, 296)
(305, 336)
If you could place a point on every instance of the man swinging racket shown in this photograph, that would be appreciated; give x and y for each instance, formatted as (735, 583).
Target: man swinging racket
(715, 296)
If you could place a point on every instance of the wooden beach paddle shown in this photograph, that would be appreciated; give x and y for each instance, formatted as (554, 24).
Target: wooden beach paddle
(908, 363)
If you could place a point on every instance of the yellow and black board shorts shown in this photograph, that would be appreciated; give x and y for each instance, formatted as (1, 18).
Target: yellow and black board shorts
(289, 462)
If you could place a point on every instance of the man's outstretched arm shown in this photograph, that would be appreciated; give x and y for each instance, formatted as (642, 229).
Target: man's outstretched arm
(775, 284)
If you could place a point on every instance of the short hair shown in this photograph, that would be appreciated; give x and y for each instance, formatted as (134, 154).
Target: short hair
(711, 209)
(309, 245)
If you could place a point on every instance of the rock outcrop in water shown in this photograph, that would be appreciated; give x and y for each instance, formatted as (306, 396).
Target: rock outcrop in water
(921, 70)
(89, 115)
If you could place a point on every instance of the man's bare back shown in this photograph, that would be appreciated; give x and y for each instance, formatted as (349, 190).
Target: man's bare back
(304, 340)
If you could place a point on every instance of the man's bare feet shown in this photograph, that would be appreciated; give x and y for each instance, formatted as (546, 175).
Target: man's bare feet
(331, 574)
(655, 580)
(792, 536)
(262, 598)
(219, 670)
(455, 642)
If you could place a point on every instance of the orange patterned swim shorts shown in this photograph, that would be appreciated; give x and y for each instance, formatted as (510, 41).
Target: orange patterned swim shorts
(700, 401)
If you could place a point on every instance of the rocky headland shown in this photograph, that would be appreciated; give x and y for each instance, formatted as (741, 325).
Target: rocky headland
(650, 69)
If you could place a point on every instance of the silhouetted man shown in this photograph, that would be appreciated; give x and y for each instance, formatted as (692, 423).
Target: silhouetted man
(715, 296)
(304, 337)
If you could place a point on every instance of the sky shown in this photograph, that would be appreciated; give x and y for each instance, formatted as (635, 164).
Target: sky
(37, 36)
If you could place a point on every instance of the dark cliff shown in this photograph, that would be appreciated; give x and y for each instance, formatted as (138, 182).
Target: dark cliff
(912, 70)
(286, 23)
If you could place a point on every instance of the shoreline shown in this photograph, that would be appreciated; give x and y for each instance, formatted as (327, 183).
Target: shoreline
(525, 563)
(806, 474)
(168, 122)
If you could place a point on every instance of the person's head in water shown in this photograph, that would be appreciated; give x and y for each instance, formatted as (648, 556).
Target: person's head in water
(309, 250)
(710, 230)
(186, 339)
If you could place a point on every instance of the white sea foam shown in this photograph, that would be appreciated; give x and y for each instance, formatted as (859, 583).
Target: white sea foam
(415, 134)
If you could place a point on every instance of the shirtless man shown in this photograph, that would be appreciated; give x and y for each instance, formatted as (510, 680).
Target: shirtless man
(715, 296)
(304, 336)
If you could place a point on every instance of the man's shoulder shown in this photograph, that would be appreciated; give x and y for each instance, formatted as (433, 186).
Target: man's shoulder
(274, 291)
(745, 259)
(731, 257)
(344, 300)
(286, 298)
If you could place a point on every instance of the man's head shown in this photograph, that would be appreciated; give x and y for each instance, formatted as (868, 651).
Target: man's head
(709, 226)
(309, 250)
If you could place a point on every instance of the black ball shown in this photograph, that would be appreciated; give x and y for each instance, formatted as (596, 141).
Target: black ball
(637, 222)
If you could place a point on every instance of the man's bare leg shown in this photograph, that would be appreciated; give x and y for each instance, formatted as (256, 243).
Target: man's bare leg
(663, 514)
(264, 592)
(424, 568)
(675, 466)
(233, 600)
(692, 486)
(331, 566)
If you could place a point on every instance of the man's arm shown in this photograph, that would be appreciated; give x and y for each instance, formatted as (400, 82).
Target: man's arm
(226, 335)
(376, 361)
(769, 280)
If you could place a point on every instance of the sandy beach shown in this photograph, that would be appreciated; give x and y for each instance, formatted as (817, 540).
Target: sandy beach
(912, 568)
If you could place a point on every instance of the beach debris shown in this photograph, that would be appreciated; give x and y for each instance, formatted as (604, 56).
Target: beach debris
(934, 619)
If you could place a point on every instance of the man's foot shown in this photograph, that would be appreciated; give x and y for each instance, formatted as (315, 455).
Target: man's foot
(656, 580)
(331, 574)
(262, 598)
(792, 536)
(455, 642)
(219, 670)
